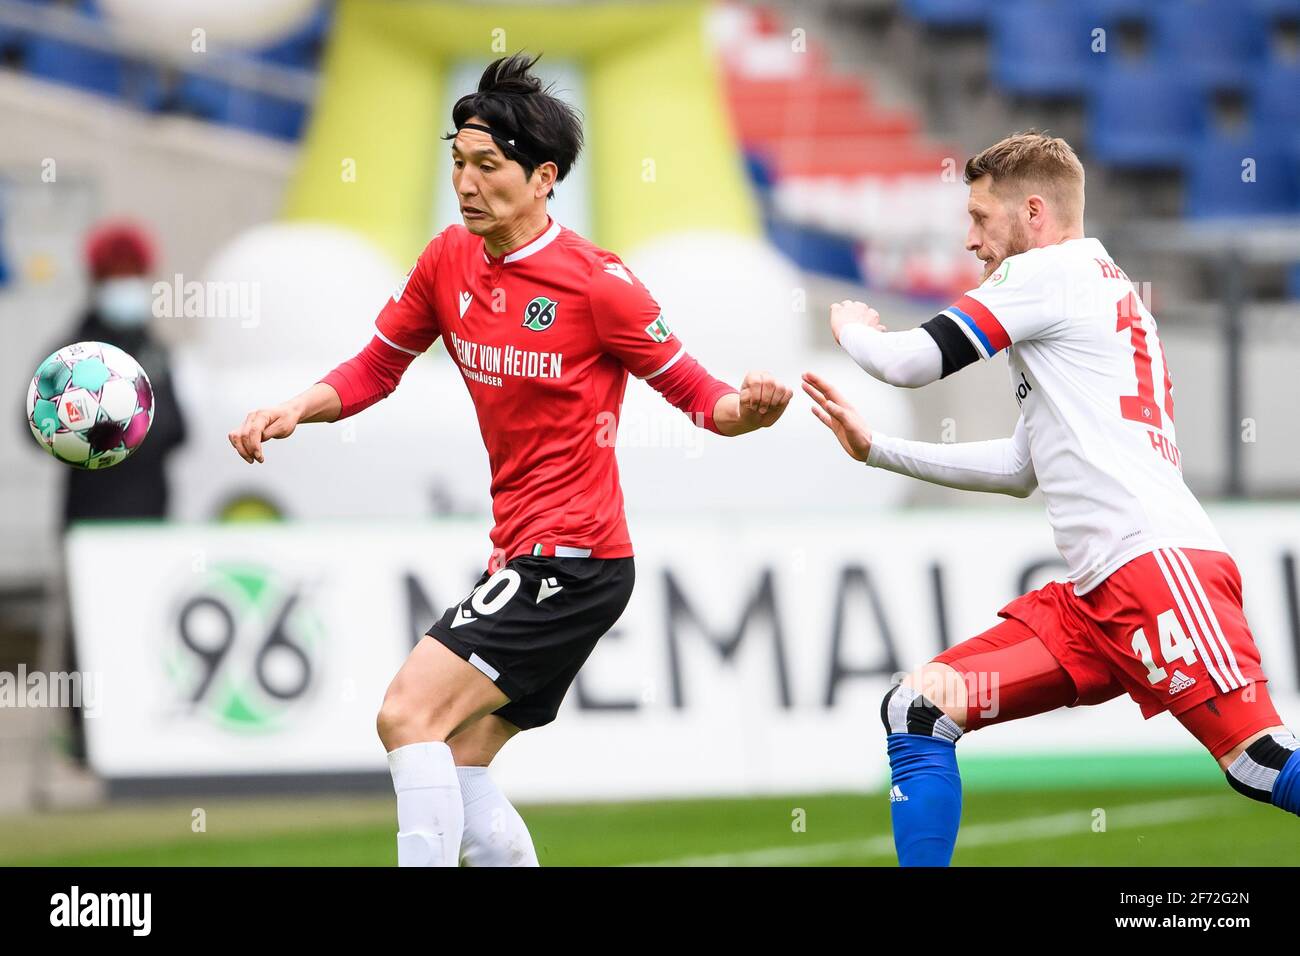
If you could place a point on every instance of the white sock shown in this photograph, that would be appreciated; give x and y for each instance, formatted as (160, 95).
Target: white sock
(495, 834)
(430, 815)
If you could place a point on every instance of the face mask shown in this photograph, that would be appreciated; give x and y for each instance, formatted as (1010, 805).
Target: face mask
(125, 302)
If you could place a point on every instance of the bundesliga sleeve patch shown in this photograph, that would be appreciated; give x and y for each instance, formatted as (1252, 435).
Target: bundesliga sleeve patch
(658, 330)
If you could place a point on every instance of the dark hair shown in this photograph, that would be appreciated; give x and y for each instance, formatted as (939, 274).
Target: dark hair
(530, 125)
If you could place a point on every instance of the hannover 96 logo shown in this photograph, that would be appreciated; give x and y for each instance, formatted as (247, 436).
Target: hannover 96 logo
(540, 314)
(245, 647)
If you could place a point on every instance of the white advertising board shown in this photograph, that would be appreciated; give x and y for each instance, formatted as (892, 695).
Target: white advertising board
(752, 657)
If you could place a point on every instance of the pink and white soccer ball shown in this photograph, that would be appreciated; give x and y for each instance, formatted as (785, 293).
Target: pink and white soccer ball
(90, 405)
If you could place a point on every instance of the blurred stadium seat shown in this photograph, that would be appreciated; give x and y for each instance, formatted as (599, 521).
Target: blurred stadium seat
(1214, 44)
(1275, 99)
(949, 14)
(1278, 9)
(835, 168)
(1111, 12)
(1041, 47)
(1240, 176)
(1143, 117)
(302, 48)
(225, 103)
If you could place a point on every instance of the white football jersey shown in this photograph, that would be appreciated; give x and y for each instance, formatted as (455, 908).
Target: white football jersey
(1089, 373)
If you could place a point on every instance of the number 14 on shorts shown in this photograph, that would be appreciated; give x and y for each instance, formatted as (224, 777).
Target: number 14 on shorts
(1175, 646)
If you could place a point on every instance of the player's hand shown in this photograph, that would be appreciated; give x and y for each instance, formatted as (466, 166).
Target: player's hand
(762, 400)
(278, 421)
(849, 311)
(838, 415)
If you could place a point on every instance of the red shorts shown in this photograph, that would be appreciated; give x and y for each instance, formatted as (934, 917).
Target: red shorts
(1167, 627)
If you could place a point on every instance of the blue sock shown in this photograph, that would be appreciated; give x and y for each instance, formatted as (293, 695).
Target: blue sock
(925, 801)
(1286, 788)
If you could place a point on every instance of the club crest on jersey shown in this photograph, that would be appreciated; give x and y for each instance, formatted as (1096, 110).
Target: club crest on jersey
(539, 315)
(658, 330)
(999, 275)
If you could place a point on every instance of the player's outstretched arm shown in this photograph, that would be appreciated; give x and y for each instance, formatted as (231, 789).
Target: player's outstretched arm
(907, 359)
(320, 403)
(358, 383)
(1003, 466)
(759, 403)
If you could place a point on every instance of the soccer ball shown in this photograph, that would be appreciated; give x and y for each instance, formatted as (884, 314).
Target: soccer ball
(90, 405)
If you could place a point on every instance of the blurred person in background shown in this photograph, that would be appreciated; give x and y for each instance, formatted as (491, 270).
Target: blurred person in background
(120, 257)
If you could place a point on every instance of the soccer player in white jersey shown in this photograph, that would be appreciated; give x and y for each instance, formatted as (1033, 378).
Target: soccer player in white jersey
(1153, 606)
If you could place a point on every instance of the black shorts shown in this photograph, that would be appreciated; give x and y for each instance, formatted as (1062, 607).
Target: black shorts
(531, 625)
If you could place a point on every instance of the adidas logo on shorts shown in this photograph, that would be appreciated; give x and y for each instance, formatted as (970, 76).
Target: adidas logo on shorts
(896, 795)
(1180, 682)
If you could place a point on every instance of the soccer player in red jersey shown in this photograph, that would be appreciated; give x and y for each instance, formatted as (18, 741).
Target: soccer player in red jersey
(545, 327)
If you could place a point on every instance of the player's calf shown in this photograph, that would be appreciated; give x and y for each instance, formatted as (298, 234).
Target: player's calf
(925, 792)
(1267, 769)
(1259, 756)
(494, 833)
(433, 695)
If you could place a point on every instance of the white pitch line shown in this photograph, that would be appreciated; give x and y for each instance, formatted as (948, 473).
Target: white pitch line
(1124, 817)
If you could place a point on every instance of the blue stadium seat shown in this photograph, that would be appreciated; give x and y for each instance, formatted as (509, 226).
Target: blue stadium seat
(1041, 47)
(1142, 117)
(1212, 43)
(759, 170)
(302, 48)
(222, 103)
(1215, 185)
(269, 115)
(1277, 9)
(1107, 12)
(814, 250)
(13, 40)
(74, 65)
(1275, 97)
(949, 14)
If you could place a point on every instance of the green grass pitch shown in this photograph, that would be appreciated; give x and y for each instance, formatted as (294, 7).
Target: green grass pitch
(1170, 826)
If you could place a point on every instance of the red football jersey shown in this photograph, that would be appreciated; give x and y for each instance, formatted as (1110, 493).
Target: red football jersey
(544, 337)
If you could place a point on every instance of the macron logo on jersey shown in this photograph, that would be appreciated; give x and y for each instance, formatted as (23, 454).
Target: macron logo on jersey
(466, 298)
(616, 270)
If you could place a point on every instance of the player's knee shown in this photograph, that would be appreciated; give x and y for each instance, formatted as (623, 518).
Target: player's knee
(906, 710)
(943, 687)
(401, 721)
(1253, 772)
(389, 723)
